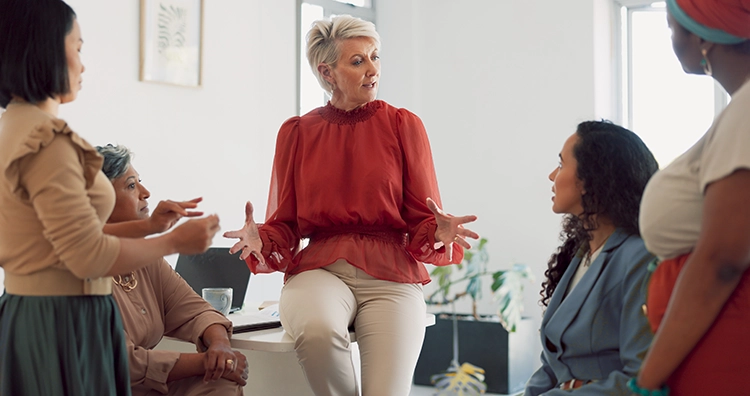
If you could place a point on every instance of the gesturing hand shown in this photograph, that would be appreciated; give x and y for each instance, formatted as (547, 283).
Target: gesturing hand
(450, 229)
(168, 212)
(195, 236)
(249, 238)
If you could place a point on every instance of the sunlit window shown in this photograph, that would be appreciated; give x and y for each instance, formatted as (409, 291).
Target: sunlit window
(357, 3)
(311, 94)
(666, 107)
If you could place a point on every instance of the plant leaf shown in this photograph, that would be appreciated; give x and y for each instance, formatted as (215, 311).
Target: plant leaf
(467, 380)
(474, 288)
(508, 294)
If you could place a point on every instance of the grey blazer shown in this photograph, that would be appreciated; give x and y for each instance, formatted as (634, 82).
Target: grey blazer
(599, 331)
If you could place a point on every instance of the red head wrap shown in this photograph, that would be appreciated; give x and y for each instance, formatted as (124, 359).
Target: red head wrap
(731, 16)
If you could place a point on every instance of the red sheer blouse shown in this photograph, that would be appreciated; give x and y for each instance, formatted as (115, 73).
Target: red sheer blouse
(355, 184)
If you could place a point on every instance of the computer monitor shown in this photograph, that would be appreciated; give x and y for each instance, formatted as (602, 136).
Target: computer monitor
(216, 268)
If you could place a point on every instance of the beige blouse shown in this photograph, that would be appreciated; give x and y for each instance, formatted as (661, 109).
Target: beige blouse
(672, 204)
(162, 304)
(53, 198)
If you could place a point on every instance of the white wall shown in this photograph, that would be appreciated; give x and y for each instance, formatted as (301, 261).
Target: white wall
(499, 85)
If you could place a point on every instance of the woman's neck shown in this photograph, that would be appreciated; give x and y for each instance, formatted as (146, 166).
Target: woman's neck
(49, 105)
(342, 104)
(731, 70)
(600, 234)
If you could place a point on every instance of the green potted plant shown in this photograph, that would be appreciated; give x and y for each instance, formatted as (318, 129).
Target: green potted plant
(481, 342)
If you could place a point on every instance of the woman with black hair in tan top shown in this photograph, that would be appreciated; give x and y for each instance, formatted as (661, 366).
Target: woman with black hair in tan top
(60, 330)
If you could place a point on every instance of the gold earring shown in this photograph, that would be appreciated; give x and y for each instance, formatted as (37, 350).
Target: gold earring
(705, 63)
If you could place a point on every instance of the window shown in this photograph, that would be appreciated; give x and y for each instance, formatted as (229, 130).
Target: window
(310, 95)
(669, 109)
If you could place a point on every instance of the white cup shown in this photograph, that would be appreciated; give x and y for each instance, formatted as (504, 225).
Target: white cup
(219, 297)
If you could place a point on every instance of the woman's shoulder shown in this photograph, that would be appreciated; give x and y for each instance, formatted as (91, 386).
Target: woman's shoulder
(402, 112)
(632, 244)
(31, 129)
(735, 119)
(289, 128)
(632, 254)
(293, 121)
(25, 130)
(158, 267)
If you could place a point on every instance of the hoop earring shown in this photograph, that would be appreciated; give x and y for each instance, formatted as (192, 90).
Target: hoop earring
(705, 63)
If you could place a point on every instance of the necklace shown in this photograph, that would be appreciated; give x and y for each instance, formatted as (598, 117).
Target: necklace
(587, 260)
(128, 283)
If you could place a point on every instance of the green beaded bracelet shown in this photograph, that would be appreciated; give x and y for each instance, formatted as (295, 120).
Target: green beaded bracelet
(664, 391)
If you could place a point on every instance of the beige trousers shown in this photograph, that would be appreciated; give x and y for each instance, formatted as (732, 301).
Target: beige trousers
(318, 306)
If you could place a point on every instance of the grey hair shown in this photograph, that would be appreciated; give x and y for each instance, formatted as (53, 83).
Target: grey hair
(116, 160)
(324, 37)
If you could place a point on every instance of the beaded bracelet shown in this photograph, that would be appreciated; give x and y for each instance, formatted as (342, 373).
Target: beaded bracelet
(664, 391)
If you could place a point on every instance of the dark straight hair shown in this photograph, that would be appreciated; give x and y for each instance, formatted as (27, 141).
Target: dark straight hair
(33, 64)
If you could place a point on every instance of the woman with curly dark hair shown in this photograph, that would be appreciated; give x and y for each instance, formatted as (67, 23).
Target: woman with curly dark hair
(594, 334)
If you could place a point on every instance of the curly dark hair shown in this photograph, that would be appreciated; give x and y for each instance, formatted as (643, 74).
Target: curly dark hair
(614, 166)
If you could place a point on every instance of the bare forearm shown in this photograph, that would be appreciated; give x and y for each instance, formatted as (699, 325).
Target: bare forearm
(137, 253)
(699, 295)
(707, 280)
(129, 229)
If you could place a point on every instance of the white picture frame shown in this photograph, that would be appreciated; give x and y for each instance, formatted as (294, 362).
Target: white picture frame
(171, 42)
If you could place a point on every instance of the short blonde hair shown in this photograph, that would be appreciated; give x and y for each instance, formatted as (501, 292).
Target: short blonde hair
(324, 37)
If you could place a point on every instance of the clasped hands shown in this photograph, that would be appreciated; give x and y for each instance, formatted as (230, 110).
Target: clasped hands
(220, 361)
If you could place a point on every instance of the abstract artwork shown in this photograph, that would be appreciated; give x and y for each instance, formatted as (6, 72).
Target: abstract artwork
(171, 41)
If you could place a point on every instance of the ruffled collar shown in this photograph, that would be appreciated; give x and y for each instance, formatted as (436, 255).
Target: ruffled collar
(360, 114)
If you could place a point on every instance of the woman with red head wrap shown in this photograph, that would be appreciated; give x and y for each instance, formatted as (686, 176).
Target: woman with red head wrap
(695, 218)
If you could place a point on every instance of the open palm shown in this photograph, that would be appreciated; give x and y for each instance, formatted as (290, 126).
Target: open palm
(249, 238)
(450, 229)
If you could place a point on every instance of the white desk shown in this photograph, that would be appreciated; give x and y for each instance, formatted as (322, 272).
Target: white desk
(277, 340)
(272, 362)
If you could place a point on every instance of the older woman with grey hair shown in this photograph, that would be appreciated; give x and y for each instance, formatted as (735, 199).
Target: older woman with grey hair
(154, 301)
(356, 177)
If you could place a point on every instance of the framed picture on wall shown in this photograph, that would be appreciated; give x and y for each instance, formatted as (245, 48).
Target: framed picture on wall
(171, 41)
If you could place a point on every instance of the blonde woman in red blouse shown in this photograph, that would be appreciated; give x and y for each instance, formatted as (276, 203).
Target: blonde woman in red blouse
(356, 177)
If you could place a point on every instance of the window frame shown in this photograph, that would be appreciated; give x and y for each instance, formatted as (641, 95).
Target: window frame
(623, 12)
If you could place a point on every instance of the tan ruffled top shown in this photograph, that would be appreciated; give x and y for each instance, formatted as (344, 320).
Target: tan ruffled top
(54, 199)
